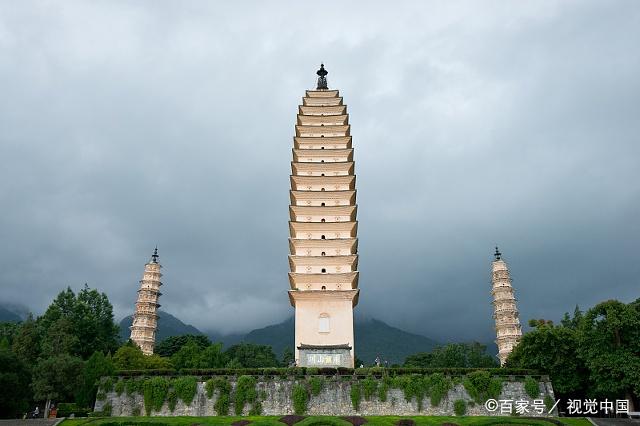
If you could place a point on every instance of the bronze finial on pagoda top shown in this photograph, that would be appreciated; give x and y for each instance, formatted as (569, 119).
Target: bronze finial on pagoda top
(155, 256)
(322, 78)
(497, 254)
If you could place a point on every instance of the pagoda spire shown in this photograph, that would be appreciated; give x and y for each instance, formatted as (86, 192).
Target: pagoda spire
(508, 330)
(145, 318)
(322, 78)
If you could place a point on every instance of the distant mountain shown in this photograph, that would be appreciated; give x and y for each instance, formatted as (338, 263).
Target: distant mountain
(168, 325)
(373, 337)
(13, 313)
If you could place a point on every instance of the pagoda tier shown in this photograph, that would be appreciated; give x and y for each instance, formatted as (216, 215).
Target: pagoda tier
(145, 318)
(508, 330)
(323, 231)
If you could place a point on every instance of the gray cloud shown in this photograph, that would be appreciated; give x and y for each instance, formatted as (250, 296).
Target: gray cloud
(129, 124)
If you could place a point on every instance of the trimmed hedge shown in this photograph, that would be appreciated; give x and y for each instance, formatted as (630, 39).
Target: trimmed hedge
(312, 371)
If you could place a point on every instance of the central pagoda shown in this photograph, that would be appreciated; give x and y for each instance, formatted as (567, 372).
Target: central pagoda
(323, 230)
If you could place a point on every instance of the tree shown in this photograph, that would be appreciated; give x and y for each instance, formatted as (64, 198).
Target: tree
(609, 344)
(453, 355)
(130, 357)
(90, 316)
(552, 350)
(94, 368)
(56, 378)
(250, 355)
(27, 341)
(14, 385)
(172, 344)
(288, 358)
(213, 357)
(187, 357)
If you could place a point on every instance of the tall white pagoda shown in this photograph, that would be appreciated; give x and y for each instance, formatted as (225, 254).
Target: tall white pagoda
(323, 229)
(145, 319)
(508, 330)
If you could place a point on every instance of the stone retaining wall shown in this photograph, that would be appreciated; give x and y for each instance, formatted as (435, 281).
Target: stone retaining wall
(334, 399)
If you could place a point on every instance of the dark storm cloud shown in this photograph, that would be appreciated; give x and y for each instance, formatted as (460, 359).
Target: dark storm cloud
(129, 124)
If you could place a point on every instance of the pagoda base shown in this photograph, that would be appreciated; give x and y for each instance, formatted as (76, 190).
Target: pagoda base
(325, 356)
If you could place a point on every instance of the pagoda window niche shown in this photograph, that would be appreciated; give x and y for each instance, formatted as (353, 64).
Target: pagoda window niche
(324, 325)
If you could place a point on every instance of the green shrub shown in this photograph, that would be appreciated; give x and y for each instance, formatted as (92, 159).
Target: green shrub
(119, 387)
(224, 391)
(256, 409)
(356, 396)
(437, 386)
(459, 407)
(300, 398)
(101, 396)
(413, 386)
(369, 387)
(548, 402)
(135, 412)
(186, 388)
(531, 387)
(172, 399)
(107, 384)
(133, 386)
(383, 389)
(245, 392)
(155, 393)
(106, 409)
(481, 386)
(315, 385)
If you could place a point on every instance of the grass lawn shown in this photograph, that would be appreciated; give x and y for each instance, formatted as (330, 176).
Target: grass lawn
(315, 421)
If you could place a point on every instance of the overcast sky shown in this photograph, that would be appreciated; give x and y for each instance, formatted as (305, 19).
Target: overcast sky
(129, 124)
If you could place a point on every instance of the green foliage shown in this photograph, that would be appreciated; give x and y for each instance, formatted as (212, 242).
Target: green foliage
(369, 387)
(119, 387)
(249, 355)
(224, 394)
(90, 320)
(106, 409)
(315, 385)
(288, 358)
(453, 355)
(300, 398)
(383, 389)
(94, 368)
(413, 386)
(553, 350)
(212, 357)
(437, 386)
(136, 411)
(101, 396)
(26, 342)
(256, 409)
(531, 387)
(172, 399)
(459, 407)
(481, 386)
(245, 393)
(356, 395)
(548, 402)
(155, 393)
(14, 384)
(187, 357)
(133, 386)
(130, 357)
(56, 378)
(107, 384)
(609, 345)
(185, 388)
(173, 344)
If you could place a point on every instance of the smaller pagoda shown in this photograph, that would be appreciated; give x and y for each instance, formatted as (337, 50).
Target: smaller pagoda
(145, 319)
(508, 330)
